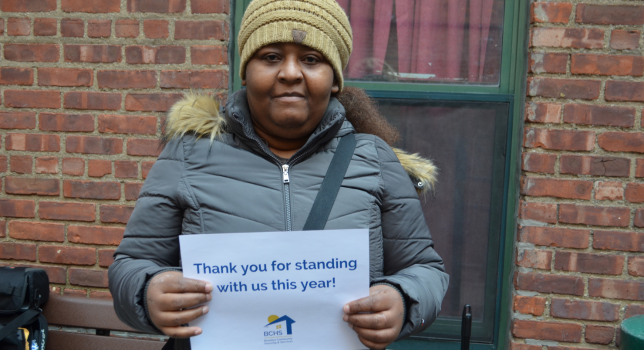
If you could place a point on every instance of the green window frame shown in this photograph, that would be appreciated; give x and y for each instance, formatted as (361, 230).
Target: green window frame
(511, 91)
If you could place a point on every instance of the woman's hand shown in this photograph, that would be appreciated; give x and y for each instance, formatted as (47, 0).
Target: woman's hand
(172, 300)
(378, 318)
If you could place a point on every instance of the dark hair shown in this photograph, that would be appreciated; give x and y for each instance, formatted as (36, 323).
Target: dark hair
(362, 112)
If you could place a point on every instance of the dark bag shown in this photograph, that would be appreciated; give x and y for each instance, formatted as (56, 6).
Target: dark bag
(22, 292)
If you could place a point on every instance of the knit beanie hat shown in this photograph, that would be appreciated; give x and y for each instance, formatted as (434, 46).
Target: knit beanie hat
(319, 24)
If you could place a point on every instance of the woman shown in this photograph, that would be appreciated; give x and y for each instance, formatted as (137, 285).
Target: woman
(285, 125)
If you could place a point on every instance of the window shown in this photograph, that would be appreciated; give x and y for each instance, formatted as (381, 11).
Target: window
(450, 75)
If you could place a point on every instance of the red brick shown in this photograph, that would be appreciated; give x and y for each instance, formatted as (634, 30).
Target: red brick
(99, 167)
(47, 165)
(146, 166)
(151, 102)
(17, 251)
(105, 257)
(126, 79)
(158, 6)
(599, 334)
(16, 76)
(124, 169)
(144, 147)
(32, 99)
(168, 54)
(201, 30)
(92, 100)
(88, 278)
(33, 142)
(564, 140)
(27, 6)
(67, 255)
(156, 29)
(564, 88)
(45, 27)
(584, 310)
(3, 225)
(3, 163)
(599, 115)
(545, 283)
(548, 62)
(636, 266)
(75, 292)
(594, 215)
(578, 38)
(539, 162)
(91, 189)
(99, 28)
(558, 188)
(204, 79)
(607, 64)
(633, 310)
(541, 330)
(37, 231)
(618, 240)
(92, 53)
(119, 214)
(21, 164)
(56, 274)
(17, 120)
(635, 192)
(66, 122)
(122, 124)
(74, 166)
(72, 28)
(541, 112)
(536, 259)
(624, 91)
(94, 145)
(67, 211)
(97, 294)
(625, 39)
(209, 55)
(589, 263)
(609, 190)
(555, 237)
(95, 235)
(91, 6)
(517, 346)
(594, 165)
(127, 28)
(529, 305)
(603, 14)
(551, 12)
(31, 186)
(31, 52)
(615, 289)
(210, 6)
(621, 142)
(541, 212)
(65, 77)
(132, 190)
(14, 208)
(18, 26)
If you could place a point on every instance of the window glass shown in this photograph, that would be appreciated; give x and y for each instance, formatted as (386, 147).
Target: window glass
(426, 41)
(466, 141)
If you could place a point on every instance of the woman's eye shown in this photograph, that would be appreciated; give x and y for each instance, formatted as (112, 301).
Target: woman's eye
(311, 59)
(271, 57)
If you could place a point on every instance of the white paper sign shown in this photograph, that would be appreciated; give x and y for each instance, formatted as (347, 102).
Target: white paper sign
(278, 290)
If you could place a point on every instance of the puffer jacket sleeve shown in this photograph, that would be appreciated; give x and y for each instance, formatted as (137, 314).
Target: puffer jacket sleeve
(150, 244)
(410, 261)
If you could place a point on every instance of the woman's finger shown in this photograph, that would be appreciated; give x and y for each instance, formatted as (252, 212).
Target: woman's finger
(372, 321)
(186, 285)
(372, 303)
(181, 332)
(180, 301)
(377, 336)
(372, 345)
(177, 318)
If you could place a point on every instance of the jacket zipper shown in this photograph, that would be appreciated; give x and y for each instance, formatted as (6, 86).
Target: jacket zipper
(287, 197)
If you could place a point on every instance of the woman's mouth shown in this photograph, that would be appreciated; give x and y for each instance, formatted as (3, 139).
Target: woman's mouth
(289, 97)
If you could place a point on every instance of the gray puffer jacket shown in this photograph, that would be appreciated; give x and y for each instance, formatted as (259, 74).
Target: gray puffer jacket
(231, 182)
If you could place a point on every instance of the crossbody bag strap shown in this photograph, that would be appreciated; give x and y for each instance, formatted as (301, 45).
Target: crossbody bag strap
(331, 184)
(25, 318)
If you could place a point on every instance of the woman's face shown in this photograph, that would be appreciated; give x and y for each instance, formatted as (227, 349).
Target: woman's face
(288, 88)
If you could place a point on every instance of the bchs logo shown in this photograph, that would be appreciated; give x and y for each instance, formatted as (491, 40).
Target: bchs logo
(279, 330)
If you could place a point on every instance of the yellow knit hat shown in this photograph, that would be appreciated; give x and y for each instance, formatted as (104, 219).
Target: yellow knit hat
(319, 24)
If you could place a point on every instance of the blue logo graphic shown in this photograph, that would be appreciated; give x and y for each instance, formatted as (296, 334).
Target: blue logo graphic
(278, 321)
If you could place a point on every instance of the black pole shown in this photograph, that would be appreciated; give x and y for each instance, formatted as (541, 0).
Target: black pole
(466, 328)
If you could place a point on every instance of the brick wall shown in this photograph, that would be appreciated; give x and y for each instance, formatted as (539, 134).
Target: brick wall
(84, 85)
(580, 240)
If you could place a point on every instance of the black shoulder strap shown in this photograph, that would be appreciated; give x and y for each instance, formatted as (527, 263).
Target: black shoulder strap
(331, 184)
(25, 318)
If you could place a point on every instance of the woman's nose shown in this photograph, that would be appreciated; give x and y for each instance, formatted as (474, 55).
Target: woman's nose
(291, 71)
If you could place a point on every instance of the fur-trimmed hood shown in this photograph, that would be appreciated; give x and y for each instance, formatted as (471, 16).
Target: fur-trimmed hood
(200, 114)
